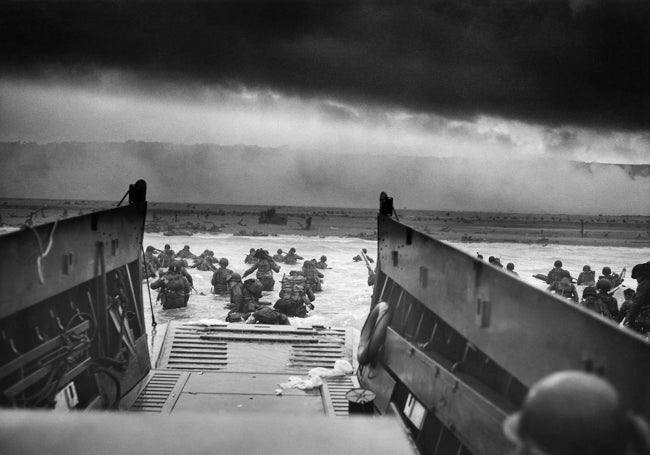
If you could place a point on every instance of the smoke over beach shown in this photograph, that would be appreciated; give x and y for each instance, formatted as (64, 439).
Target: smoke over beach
(255, 175)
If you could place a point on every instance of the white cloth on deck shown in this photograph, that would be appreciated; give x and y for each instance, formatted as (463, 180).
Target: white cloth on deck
(341, 368)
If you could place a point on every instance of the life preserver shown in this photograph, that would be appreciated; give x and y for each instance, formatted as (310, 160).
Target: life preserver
(373, 333)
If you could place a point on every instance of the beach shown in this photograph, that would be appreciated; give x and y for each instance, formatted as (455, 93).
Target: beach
(173, 219)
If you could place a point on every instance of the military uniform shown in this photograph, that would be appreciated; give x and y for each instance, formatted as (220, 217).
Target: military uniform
(265, 269)
(174, 289)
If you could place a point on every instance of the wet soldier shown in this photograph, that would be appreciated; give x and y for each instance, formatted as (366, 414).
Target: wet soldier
(587, 277)
(205, 261)
(359, 257)
(166, 257)
(591, 301)
(203, 264)
(220, 278)
(265, 268)
(613, 279)
(279, 257)
(322, 264)
(312, 276)
(174, 287)
(292, 258)
(250, 257)
(639, 315)
(510, 267)
(571, 413)
(185, 253)
(241, 299)
(186, 274)
(564, 287)
(555, 274)
(603, 287)
(626, 305)
(151, 263)
(296, 296)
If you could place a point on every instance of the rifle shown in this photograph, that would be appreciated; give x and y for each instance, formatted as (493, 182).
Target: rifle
(371, 273)
(620, 277)
(542, 277)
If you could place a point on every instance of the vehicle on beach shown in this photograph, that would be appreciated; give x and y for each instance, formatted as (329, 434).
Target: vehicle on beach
(270, 216)
(450, 347)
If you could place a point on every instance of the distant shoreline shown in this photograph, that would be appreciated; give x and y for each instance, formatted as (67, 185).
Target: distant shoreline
(469, 227)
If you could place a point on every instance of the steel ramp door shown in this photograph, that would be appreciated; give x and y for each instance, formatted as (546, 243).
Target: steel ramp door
(236, 368)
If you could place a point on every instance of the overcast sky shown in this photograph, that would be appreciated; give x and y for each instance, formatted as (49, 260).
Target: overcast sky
(501, 80)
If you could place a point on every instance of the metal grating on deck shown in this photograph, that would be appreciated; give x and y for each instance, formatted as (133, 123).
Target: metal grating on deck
(334, 390)
(227, 347)
(312, 355)
(160, 393)
(189, 351)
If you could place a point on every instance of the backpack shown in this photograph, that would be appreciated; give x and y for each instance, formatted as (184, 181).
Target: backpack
(220, 276)
(254, 287)
(235, 316)
(174, 283)
(293, 288)
(594, 303)
(267, 315)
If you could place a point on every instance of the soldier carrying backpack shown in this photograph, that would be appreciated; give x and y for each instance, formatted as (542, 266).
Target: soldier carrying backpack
(296, 296)
(593, 302)
(175, 289)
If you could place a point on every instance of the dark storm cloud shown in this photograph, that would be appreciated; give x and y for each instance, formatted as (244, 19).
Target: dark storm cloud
(555, 62)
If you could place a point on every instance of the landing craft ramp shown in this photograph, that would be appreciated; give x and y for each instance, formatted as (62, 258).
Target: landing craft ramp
(227, 368)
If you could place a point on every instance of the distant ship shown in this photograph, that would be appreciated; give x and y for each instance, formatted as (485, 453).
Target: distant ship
(450, 347)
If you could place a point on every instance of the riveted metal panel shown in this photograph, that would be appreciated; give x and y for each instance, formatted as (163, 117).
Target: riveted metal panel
(527, 331)
(474, 413)
(73, 255)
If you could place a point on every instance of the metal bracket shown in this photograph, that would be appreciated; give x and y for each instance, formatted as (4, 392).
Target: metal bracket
(483, 310)
(68, 260)
(424, 276)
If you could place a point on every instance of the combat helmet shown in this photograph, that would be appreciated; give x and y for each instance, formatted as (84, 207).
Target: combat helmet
(604, 285)
(236, 277)
(254, 286)
(570, 412)
(607, 271)
(557, 263)
(323, 258)
(641, 270)
(223, 262)
(175, 266)
(589, 290)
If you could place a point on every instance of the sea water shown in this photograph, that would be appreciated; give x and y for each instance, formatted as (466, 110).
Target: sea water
(345, 299)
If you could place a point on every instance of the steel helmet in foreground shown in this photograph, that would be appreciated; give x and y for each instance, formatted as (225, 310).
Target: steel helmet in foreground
(573, 412)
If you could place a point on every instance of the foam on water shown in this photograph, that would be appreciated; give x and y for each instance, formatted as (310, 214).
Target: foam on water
(345, 299)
